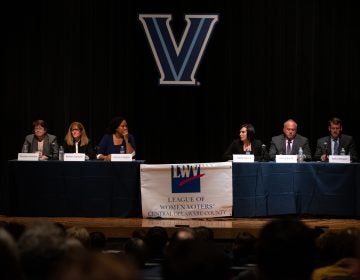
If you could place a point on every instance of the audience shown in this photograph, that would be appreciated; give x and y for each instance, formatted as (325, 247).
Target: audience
(338, 255)
(42, 247)
(284, 250)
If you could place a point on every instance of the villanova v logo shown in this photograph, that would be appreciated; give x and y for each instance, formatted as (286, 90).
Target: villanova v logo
(177, 63)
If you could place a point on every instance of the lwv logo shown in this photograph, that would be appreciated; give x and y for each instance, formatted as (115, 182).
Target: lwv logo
(178, 63)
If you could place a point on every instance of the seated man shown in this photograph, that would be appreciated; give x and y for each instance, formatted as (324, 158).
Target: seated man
(336, 143)
(289, 142)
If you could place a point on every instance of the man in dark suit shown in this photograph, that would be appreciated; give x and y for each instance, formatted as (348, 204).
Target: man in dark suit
(289, 142)
(336, 143)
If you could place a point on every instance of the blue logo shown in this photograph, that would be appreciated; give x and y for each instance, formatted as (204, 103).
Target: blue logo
(185, 178)
(178, 62)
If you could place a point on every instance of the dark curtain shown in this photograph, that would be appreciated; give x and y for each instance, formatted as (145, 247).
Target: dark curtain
(266, 61)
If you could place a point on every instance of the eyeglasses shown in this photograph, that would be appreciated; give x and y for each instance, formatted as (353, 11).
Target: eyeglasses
(75, 129)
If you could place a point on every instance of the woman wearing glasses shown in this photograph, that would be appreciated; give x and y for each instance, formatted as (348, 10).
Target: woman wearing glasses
(76, 141)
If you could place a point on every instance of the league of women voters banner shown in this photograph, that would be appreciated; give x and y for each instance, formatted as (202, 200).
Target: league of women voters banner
(189, 190)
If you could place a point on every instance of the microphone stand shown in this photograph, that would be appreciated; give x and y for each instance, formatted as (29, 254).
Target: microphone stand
(263, 148)
(52, 150)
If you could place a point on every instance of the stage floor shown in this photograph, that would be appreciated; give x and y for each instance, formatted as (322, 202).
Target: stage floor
(224, 228)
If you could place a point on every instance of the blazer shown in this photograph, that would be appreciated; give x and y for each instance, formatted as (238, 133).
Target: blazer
(278, 146)
(237, 147)
(50, 148)
(106, 145)
(323, 146)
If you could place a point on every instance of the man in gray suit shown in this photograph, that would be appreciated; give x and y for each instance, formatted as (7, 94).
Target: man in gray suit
(336, 143)
(289, 142)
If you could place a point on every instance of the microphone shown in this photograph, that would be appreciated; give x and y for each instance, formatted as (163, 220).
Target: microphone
(52, 150)
(325, 146)
(263, 151)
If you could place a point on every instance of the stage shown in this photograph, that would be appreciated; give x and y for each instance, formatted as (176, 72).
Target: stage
(224, 228)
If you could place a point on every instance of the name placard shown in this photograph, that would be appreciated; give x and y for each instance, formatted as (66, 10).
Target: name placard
(286, 158)
(243, 158)
(28, 156)
(121, 157)
(74, 157)
(339, 159)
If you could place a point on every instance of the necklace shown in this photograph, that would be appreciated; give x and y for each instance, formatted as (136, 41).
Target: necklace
(247, 147)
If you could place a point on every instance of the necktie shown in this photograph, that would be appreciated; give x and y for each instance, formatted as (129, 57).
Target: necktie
(336, 147)
(288, 147)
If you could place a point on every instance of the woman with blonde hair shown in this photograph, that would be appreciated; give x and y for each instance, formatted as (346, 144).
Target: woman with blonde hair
(76, 141)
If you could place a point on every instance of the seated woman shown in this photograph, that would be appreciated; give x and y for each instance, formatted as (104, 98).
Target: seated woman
(76, 141)
(247, 144)
(116, 140)
(41, 141)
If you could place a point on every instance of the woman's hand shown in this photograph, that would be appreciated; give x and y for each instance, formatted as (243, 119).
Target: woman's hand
(324, 157)
(126, 135)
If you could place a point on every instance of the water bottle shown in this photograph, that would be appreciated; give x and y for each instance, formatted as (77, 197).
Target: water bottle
(61, 153)
(25, 148)
(342, 152)
(122, 150)
(300, 155)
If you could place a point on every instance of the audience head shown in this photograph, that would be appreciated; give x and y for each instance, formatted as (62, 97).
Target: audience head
(336, 245)
(178, 236)
(193, 260)
(243, 248)
(42, 246)
(139, 233)
(97, 240)
(15, 229)
(79, 233)
(156, 240)
(290, 129)
(136, 249)
(61, 227)
(203, 234)
(9, 257)
(286, 250)
(182, 234)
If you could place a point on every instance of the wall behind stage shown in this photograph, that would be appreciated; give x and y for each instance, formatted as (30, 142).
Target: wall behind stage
(265, 62)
